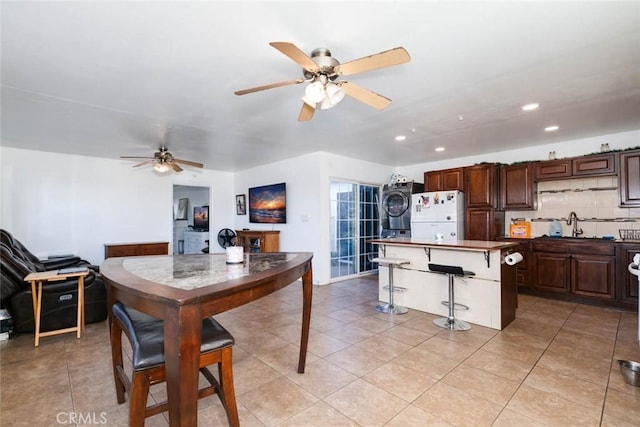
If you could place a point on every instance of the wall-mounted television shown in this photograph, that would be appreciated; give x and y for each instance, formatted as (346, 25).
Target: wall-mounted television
(201, 218)
(268, 204)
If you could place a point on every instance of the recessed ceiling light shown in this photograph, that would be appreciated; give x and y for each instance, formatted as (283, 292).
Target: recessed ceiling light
(400, 138)
(530, 107)
(551, 128)
(440, 149)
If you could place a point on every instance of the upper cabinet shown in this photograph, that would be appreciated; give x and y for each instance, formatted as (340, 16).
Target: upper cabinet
(481, 186)
(444, 180)
(576, 167)
(629, 179)
(518, 187)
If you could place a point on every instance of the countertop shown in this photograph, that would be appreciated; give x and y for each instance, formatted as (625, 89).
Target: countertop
(479, 245)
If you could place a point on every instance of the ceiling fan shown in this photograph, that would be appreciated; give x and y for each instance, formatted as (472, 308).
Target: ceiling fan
(163, 161)
(321, 70)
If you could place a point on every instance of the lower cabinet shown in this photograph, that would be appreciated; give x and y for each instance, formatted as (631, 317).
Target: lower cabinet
(135, 249)
(552, 272)
(483, 224)
(593, 276)
(581, 269)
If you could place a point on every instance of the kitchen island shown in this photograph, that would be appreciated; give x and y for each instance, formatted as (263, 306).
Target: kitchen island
(491, 294)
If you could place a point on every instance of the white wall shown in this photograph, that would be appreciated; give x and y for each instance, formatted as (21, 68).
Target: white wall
(59, 203)
(307, 178)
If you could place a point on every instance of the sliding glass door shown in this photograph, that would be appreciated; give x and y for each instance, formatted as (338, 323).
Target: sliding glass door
(355, 218)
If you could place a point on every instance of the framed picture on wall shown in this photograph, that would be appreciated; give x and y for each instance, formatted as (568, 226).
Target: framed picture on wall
(241, 204)
(181, 212)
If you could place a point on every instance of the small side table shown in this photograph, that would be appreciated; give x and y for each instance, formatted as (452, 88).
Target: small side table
(36, 295)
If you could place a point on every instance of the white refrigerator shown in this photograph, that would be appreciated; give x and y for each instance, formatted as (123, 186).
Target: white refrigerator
(438, 212)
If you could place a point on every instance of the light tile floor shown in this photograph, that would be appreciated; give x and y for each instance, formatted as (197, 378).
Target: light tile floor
(554, 365)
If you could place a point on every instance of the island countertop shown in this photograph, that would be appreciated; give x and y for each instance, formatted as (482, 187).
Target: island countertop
(480, 245)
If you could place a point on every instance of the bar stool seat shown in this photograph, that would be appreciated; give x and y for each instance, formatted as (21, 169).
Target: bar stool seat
(146, 335)
(450, 322)
(392, 263)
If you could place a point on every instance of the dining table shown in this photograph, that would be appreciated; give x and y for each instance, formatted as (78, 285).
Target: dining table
(183, 289)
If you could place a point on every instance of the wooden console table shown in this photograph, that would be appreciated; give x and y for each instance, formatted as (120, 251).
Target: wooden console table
(112, 250)
(258, 240)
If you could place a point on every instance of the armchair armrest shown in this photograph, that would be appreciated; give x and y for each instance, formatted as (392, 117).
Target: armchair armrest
(60, 262)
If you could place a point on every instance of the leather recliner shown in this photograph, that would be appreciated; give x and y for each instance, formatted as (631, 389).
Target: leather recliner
(59, 298)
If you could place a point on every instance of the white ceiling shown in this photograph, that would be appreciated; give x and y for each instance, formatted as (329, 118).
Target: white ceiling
(114, 78)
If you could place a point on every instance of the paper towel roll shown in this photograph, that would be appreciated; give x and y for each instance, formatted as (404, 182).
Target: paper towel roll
(235, 254)
(513, 259)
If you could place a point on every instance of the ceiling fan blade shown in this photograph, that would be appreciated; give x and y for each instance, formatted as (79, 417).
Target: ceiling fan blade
(269, 86)
(136, 157)
(387, 58)
(298, 56)
(143, 163)
(188, 162)
(306, 113)
(365, 95)
(175, 166)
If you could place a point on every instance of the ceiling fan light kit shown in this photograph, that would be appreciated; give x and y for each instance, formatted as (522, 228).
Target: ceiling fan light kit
(163, 161)
(321, 70)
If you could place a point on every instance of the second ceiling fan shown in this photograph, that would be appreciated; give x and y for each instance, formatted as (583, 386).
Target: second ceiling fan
(322, 70)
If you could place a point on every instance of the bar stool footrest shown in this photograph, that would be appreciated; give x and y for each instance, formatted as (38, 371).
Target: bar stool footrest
(456, 305)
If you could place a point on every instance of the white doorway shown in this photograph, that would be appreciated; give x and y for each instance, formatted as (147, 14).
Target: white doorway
(185, 199)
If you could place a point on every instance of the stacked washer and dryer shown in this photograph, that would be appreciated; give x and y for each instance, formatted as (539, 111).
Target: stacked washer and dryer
(396, 207)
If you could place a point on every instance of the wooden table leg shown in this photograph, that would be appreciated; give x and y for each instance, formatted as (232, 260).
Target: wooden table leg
(182, 340)
(38, 312)
(307, 293)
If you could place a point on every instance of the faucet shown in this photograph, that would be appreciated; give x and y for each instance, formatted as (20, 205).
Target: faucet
(573, 219)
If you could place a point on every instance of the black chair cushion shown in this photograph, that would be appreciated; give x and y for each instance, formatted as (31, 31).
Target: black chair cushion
(146, 335)
(450, 269)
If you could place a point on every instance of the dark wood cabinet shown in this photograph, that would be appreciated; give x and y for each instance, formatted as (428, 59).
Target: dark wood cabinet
(629, 178)
(627, 282)
(112, 250)
(483, 224)
(552, 272)
(444, 180)
(481, 186)
(581, 268)
(553, 169)
(598, 164)
(576, 167)
(518, 187)
(593, 276)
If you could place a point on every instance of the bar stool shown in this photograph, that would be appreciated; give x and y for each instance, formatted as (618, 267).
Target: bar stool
(392, 263)
(451, 322)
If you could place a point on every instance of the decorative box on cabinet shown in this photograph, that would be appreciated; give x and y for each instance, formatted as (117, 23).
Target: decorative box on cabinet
(112, 250)
(518, 187)
(629, 178)
(195, 241)
(258, 240)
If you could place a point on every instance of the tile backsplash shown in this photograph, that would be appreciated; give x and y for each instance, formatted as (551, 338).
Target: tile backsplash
(588, 198)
